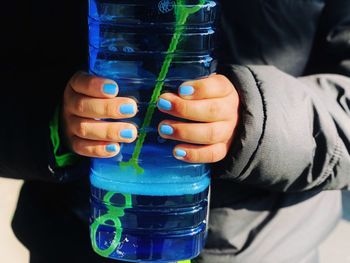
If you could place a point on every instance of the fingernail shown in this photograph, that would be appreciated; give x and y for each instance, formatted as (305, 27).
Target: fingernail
(186, 90)
(180, 153)
(166, 129)
(127, 134)
(164, 104)
(110, 88)
(127, 109)
(111, 148)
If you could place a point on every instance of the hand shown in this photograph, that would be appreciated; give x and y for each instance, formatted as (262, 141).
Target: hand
(87, 99)
(213, 106)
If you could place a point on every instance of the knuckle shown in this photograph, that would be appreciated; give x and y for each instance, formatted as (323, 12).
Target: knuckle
(79, 105)
(82, 129)
(214, 109)
(180, 107)
(220, 77)
(218, 154)
(92, 83)
(193, 156)
(228, 133)
(111, 133)
(181, 134)
(202, 85)
(74, 79)
(222, 80)
(211, 156)
(109, 109)
(98, 151)
(77, 146)
(211, 134)
(220, 133)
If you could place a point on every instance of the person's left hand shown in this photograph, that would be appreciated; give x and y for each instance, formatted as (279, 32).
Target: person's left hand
(213, 106)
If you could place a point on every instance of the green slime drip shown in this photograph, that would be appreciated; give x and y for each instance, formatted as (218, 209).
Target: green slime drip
(115, 213)
(182, 13)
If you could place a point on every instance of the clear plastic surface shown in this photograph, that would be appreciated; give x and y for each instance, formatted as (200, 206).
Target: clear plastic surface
(149, 12)
(147, 206)
(154, 39)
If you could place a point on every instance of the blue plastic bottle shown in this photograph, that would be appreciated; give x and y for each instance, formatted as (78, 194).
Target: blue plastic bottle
(146, 206)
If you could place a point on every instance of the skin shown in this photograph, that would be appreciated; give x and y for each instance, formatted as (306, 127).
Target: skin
(213, 109)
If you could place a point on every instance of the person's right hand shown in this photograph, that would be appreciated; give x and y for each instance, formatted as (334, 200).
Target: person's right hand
(86, 100)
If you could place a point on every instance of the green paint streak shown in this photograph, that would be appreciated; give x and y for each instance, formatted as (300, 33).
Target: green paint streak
(113, 215)
(182, 12)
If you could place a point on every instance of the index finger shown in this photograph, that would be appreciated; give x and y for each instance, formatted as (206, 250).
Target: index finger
(93, 86)
(215, 86)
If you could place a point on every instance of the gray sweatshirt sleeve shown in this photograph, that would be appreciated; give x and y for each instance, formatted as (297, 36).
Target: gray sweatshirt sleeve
(294, 133)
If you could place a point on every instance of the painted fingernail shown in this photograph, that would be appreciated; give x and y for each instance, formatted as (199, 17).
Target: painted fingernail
(166, 129)
(111, 148)
(180, 153)
(127, 134)
(127, 109)
(110, 88)
(164, 104)
(186, 90)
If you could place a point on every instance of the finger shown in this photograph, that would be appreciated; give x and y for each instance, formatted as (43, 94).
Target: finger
(115, 108)
(201, 154)
(93, 86)
(102, 131)
(210, 110)
(198, 133)
(91, 148)
(215, 86)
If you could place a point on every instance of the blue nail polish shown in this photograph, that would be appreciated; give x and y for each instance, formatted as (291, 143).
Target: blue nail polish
(166, 129)
(186, 90)
(164, 104)
(180, 153)
(127, 109)
(127, 134)
(110, 88)
(111, 148)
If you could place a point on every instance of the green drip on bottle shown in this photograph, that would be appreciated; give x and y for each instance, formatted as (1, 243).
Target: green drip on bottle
(113, 215)
(182, 12)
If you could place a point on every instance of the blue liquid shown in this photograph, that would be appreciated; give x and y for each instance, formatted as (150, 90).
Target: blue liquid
(156, 228)
(166, 220)
(163, 174)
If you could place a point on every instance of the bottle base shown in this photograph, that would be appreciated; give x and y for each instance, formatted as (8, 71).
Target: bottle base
(156, 247)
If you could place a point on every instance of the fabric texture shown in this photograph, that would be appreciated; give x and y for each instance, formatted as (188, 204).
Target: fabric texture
(308, 148)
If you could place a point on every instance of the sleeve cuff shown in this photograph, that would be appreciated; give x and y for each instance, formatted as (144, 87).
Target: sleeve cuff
(62, 158)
